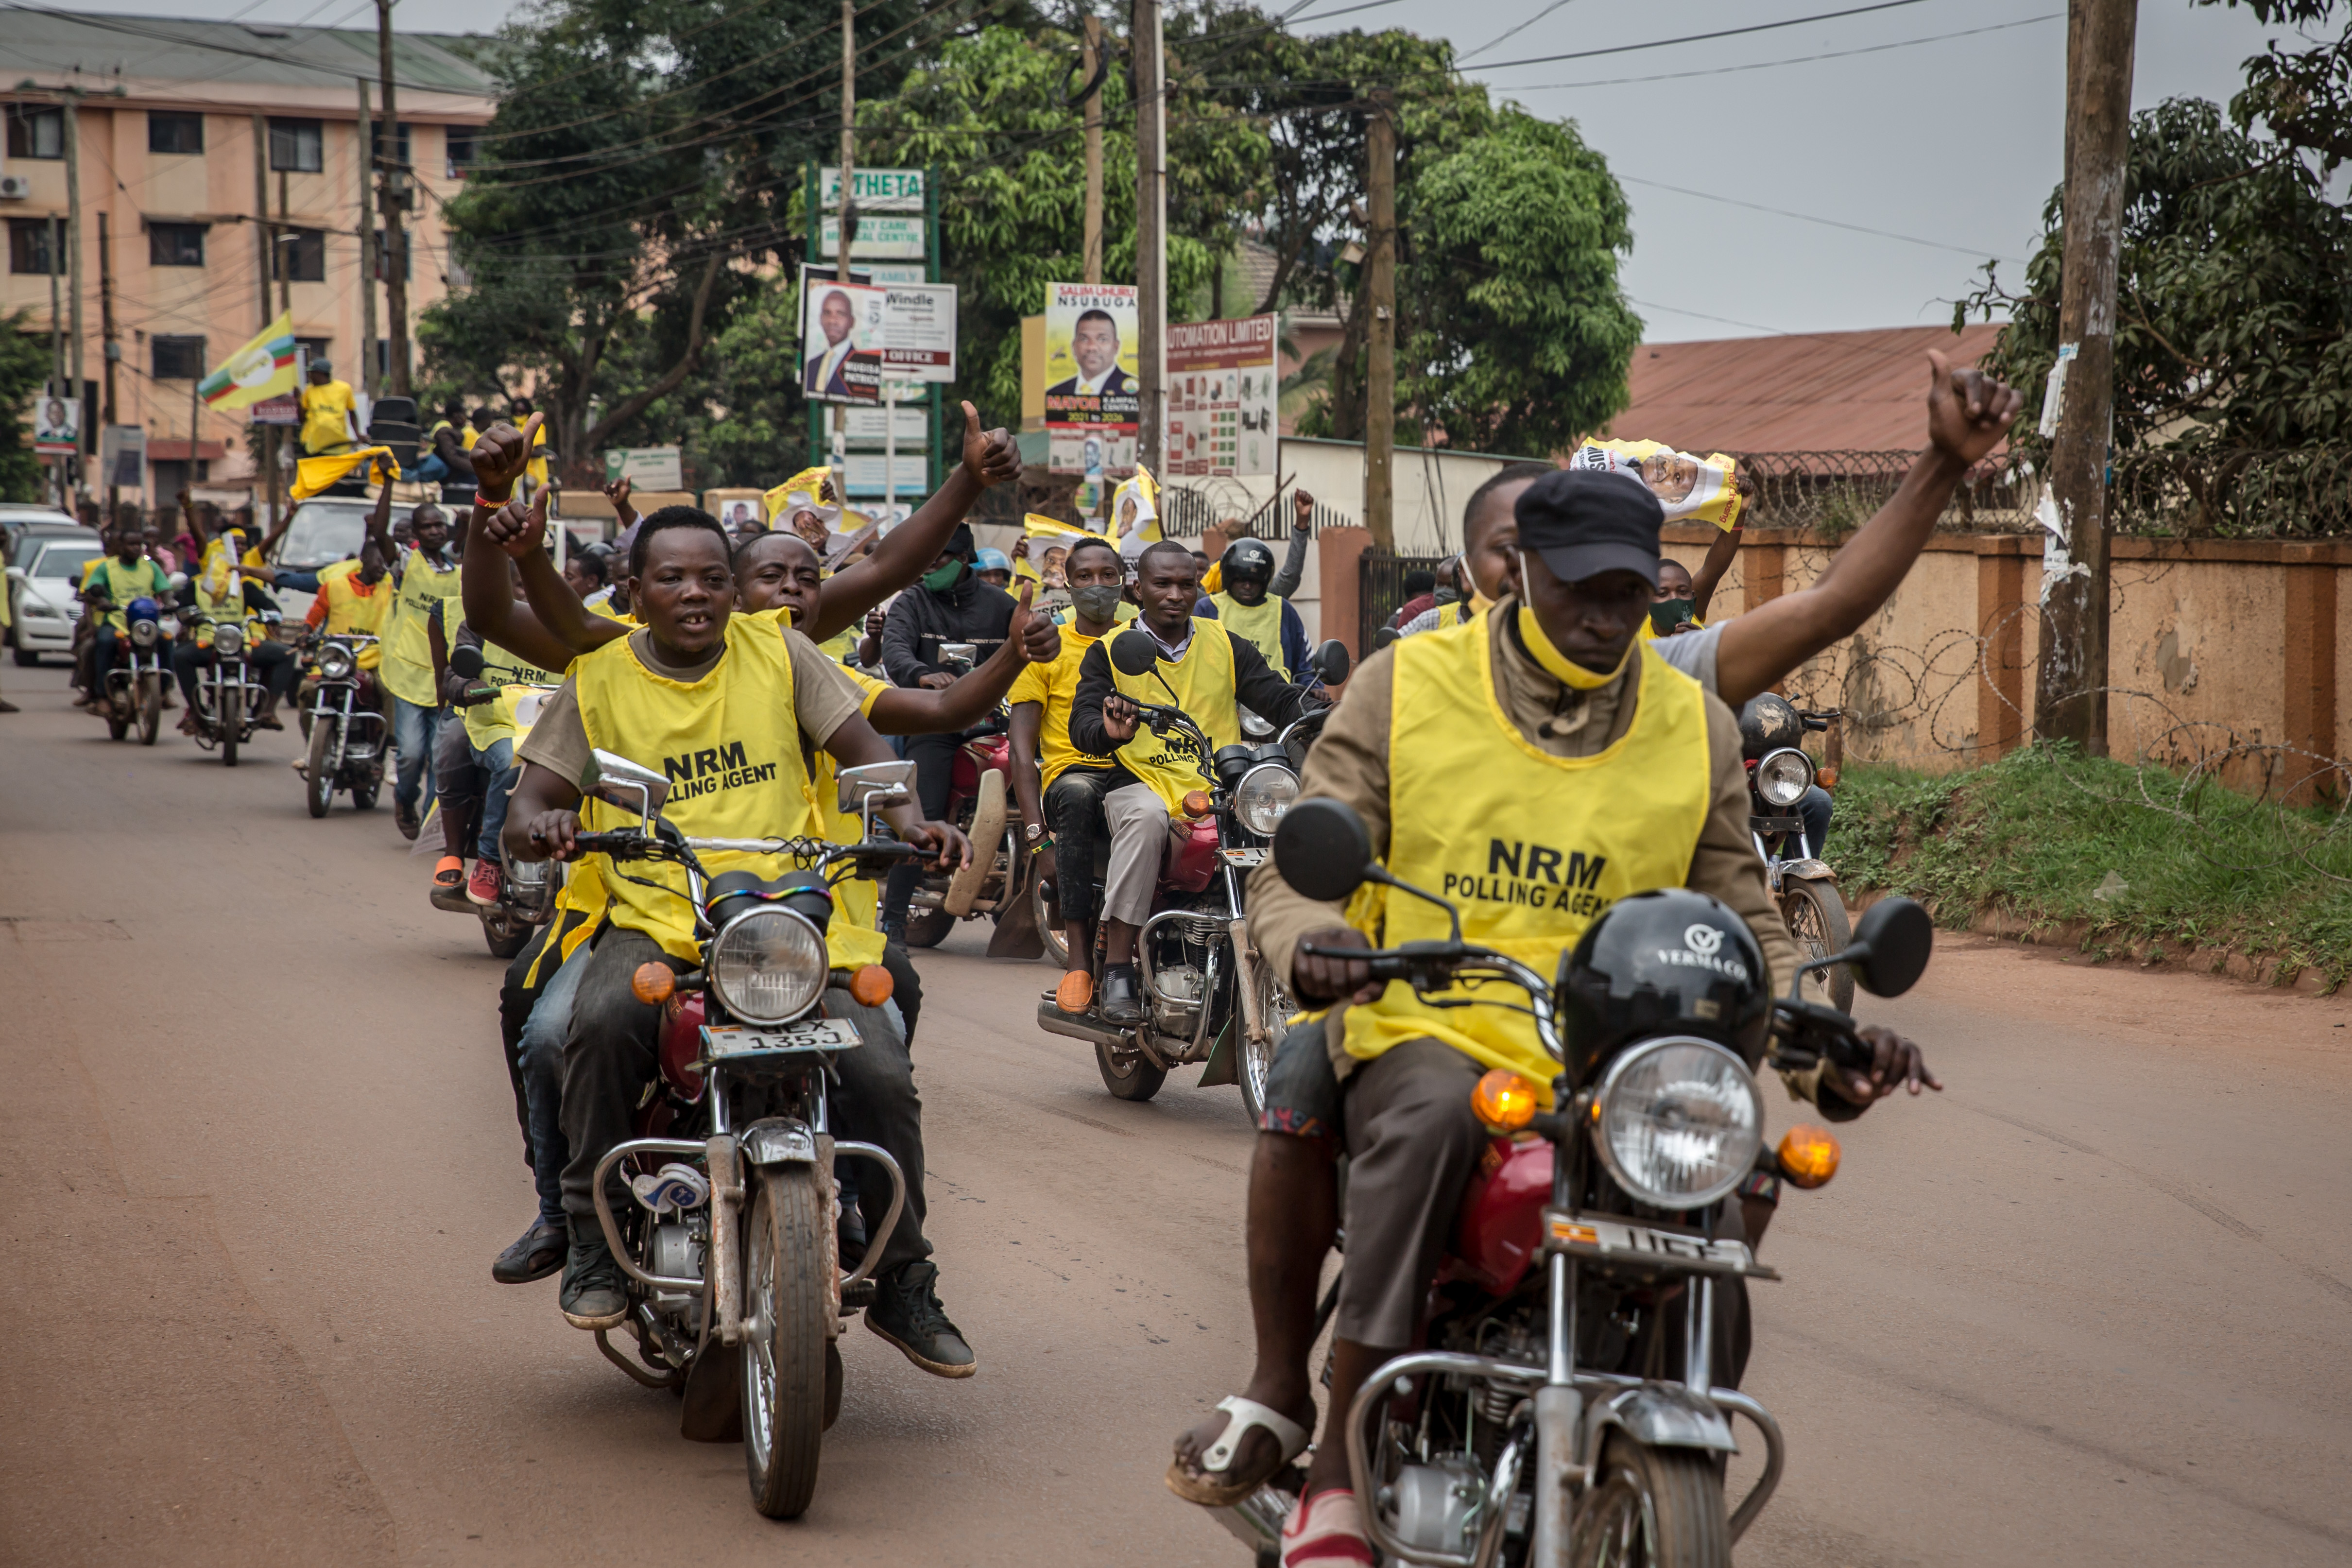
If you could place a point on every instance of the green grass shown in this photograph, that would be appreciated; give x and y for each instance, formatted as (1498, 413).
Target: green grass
(2036, 836)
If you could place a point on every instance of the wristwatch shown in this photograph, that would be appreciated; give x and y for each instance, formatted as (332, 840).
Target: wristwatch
(1032, 831)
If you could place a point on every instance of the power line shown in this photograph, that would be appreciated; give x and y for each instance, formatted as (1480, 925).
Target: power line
(1792, 60)
(1703, 316)
(1698, 38)
(1808, 217)
(1512, 33)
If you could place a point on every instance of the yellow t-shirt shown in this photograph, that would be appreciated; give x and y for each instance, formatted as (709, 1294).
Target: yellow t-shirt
(1054, 685)
(325, 416)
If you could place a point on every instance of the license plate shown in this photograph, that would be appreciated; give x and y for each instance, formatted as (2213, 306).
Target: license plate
(808, 1035)
(1615, 1241)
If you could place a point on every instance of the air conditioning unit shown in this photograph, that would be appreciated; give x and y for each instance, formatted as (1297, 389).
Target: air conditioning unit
(15, 188)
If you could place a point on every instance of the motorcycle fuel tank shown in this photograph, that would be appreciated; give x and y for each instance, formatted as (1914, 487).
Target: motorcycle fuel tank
(681, 1045)
(1193, 859)
(1500, 1228)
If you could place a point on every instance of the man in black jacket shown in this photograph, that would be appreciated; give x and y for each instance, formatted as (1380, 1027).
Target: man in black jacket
(1200, 668)
(947, 604)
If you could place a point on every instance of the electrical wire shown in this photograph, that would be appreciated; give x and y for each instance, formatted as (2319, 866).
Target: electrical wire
(1808, 217)
(1793, 60)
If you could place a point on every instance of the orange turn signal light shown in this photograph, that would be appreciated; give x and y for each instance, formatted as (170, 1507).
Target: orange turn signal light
(653, 982)
(1196, 805)
(871, 986)
(1825, 777)
(1808, 1156)
(1504, 1101)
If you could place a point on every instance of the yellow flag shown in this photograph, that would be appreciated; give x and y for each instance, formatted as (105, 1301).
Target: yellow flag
(316, 474)
(262, 369)
(809, 483)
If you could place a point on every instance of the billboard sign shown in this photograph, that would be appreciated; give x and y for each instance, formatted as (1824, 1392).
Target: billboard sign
(1092, 395)
(852, 335)
(1222, 378)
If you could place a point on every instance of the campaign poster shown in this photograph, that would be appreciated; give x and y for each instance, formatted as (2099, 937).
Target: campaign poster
(57, 426)
(1220, 398)
(841, 338)
(1092, 395)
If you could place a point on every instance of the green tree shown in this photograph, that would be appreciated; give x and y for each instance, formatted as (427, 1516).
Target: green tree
(23, 370)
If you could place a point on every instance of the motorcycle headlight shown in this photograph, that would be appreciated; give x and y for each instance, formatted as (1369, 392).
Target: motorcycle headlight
(768, 965)
(335, 663)
(1678, 1122)
(1782, 777)
(1263, 796)
(229, 639)
(143, 634)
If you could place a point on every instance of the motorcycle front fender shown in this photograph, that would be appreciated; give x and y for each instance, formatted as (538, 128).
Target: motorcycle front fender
(1663, 1415)
(778, 1140)
(1808, 870)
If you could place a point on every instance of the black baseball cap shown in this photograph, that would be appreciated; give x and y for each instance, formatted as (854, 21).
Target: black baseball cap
(1584, 522)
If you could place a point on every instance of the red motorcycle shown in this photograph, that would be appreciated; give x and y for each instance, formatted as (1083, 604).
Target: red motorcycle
(1571, 1400)
(979, 800)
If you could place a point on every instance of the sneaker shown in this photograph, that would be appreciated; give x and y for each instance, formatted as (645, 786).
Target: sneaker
(592, 1296)
(907, 1313)
(487, 883)
(536, 1253)
(404, 817)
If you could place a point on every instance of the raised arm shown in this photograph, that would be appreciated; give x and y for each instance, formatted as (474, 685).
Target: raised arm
(1721, 551)
(1968, 414)
(557, 627)
(990, 458)
(1302, 534)
(924, 711)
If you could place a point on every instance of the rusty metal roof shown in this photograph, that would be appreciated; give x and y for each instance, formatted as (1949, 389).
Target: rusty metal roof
(1802, 392)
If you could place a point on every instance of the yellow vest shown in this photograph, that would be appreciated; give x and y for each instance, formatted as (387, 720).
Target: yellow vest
(220, 593)
(1203, 681)
(1260, 623)
(1529, 846)
(1450, 613)
(407, 667)
(488, 723)
(731, 747)
(349, 611)
(856, 902)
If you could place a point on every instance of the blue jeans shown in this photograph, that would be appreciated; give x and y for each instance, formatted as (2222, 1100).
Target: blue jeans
(541, 1053)
(498, 761)
(412, 737)
(1815, 806)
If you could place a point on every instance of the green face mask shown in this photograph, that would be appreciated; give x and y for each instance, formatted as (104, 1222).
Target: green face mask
(1666, 615)
(946, 577)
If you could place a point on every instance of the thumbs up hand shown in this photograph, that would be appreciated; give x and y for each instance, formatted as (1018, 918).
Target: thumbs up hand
(991, 456)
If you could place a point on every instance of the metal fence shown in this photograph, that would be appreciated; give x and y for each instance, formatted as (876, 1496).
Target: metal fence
(1380, 591)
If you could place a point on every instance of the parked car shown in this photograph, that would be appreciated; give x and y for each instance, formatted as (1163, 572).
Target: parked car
(44, 565)
(325, 530)
(18, 523)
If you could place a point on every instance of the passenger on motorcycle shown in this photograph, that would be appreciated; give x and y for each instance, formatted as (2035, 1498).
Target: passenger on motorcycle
(1058, 789)
(123, 576)
(1253, 602)
(729, 703)
(1208, 673)
(1292, 1210)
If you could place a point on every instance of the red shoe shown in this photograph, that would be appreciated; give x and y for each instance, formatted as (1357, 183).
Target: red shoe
(487, 883)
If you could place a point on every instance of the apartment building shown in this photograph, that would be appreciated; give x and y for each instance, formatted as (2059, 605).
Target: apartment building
(212, 161)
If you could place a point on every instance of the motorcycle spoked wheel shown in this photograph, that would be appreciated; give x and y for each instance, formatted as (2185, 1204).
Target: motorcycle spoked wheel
(150, 708)
(1137, 1080)
(1652, 1507)
(364, 792)
(318, 778)
(928, 928)
(1816, 917)
(784, 1344)
(1274, 1006)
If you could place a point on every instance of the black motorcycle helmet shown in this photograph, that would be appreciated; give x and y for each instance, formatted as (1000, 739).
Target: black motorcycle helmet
(1249, 560)
(1768, 722)
(1671, 961)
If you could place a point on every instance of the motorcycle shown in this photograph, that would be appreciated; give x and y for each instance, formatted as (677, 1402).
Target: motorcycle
(227, 697)
(345, 730)
(1779, 772)
(1564, 1408)
(977, 796)
(527, 892)
(736, 1292)
(1207, 996)
(134, 683)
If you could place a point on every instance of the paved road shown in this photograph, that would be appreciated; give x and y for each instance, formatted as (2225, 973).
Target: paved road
(2090, 1307)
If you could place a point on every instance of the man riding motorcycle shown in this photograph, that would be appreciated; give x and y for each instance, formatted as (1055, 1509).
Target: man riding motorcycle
(1208, 673)
(424, 576)
(109, 589)
(224, 598)
(693, 683)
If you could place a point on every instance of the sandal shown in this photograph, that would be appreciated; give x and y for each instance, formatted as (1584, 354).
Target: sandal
(1326, 1527)
(1216, 1486)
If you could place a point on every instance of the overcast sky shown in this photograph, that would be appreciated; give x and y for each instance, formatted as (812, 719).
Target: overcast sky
(1955, 140)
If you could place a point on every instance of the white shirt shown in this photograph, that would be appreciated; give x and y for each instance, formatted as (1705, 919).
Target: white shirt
(1094, 388)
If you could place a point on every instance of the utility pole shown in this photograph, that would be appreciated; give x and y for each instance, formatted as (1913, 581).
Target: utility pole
(1379, 287)
(74, 275)
(58, 350)
(1090, 61)
(112, 349)
(278, 253)
(2070, 702)
(396, 186)
(264, 244)
(1151, 235)
(838, 451)
(370, 378)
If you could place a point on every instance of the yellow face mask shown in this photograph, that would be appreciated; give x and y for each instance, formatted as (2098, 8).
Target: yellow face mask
(1569, 673)
(1479, 602)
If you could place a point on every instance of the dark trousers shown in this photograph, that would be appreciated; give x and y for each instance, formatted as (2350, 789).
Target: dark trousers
(269, 662)
(1815, 806)
(1074, 810)
(934, 759)
(612, 1053)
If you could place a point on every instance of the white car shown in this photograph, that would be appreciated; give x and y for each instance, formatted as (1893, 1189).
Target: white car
(44, 567)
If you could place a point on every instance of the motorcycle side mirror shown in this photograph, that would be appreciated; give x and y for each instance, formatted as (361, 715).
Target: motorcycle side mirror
(467, 662)
(1322, 849)
(616, 781)
(1383, 638)
(959, 656)
(1134, 654)
(873, 785)
(1899, 938)
(1332, 663)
